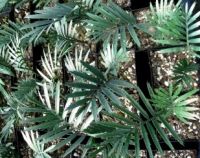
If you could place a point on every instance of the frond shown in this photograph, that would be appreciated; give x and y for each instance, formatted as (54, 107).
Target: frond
(113, 59)
(93, 88)
(163, 11)
(74, 64)
(25, 89)
(4, 53)
(8, 33)
(174, 102)
(67, 35)
(45, 98)
(9, 113)
(52, 118)
(34, 144)
(47, 17)
(181, 29)
(51, 66)
(17, 55)
(183, 73)
(111, 24)
(131, 127)
(5, 66)
(12, 49)
(9, 116)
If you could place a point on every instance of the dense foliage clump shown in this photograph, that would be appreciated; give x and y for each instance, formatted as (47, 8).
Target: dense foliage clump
(93, 111)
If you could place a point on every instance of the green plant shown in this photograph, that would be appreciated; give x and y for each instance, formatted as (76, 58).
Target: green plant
(113, 59)
(129, 127)
(6, 151)
(97, 103)
(183, 71)
(173, 102)
(181, 33)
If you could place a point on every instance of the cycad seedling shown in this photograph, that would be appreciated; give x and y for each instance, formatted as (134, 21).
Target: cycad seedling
(180, 32)
(113, 59)
(95, 104)
(174, 102)
(183, 73)
(131, 127)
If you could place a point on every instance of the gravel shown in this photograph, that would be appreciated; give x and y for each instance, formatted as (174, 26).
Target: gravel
(178, 154)
(162, 66)
(128, 72)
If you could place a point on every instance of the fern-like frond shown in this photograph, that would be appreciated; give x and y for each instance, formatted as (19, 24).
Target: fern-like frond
(67, 35)
(5, 67)
(131, 127)
(47, 17)
(51, 66)
(93, 88)
(4, 53)
(111, 24)
(174, 102)
(163, 11)
(113, 59)
(183, 73)
(74, 63)
(8, 33)
(17, 56)
(34, 144)
(9, 116)
(25, 89)
(45, 98)
(181, 31)
(51, 118)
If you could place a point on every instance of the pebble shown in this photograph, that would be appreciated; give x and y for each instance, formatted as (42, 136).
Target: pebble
(194, 127)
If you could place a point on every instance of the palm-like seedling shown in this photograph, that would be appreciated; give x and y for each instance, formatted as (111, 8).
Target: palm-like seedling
(111, 25)
(17, 56)
(11, 112)
(67, 35)
(52, 119)
(74, 64)
(113, 59)
(12, 52)
(183, 73)
(51, 66)
(9, 33)
(47, 18)
(94, 88)
(181, 31)
(175, 103)
(164, 10)
(94, 107)
(131, 127)
(34, 144)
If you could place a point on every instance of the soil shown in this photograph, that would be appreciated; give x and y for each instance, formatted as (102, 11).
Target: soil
(178, 154)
